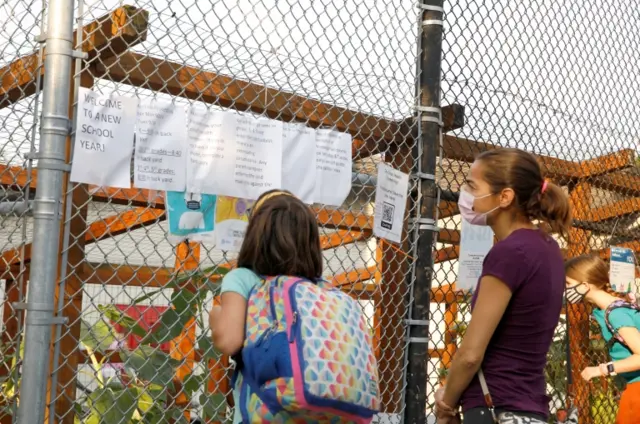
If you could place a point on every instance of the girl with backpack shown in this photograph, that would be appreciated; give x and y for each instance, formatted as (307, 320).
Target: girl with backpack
(302, 348)
(619, 320)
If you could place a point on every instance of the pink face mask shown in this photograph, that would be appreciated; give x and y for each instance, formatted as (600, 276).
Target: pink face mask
(465, 204)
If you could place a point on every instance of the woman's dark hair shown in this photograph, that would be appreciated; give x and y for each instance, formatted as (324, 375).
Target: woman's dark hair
(535, 197)
(282, 238)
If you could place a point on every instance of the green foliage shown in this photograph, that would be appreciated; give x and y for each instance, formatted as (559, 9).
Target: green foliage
(144, 394)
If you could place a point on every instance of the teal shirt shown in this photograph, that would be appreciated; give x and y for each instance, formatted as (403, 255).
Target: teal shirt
(620, 317)
(241, 281)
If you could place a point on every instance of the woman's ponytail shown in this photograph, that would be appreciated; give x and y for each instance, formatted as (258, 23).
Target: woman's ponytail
(551, 205)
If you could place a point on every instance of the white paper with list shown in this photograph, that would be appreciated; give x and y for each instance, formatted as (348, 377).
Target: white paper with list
(333, 167)
(103, 139)
(391, 201)
(257, 164)
(622, 269)
(299, 161)
(210, 148)
(161, 146)
(475, 243)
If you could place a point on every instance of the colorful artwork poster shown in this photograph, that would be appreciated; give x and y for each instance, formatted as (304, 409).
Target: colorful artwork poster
(232, 218)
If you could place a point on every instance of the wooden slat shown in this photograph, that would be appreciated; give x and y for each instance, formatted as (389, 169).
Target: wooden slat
(185, 81)
(109, 227)
(342, 238)
(608, 163)
(619, 182)
(461, 149)
(348, 278)
(109, 35)
(446, 254)
(615, 210)
(371, 133)
(183, 346)
(581, 198)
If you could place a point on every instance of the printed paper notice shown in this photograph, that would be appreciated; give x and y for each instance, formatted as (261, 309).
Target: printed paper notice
(622, 270)
(161, 147)
(299, 161)
(232, 217)
(333, 167)
(258, 158)
(233, 155)
(191, 216)
(210, 148)
(475, 243)
(104, 139)
(391, 200)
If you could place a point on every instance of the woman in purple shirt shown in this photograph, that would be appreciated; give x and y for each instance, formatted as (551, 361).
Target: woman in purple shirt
(516, 306)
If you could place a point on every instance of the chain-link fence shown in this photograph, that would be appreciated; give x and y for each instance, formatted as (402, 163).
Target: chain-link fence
(556, 78)
(120, 277)
(129, 339)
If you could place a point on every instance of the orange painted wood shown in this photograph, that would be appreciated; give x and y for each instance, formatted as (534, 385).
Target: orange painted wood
(183, 347)
(608, 163)
(109, 35)
(581, 200)
(619, 182)
(109, 227)
(615, 210)
(194, 83)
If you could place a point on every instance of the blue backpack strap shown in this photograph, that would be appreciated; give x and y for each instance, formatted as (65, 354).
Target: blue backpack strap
(614, 333)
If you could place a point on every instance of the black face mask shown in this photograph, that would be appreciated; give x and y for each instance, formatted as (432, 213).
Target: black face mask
(574, 296)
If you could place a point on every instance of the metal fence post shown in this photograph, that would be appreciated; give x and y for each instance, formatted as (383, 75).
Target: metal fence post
(47, 210)
(429, 122)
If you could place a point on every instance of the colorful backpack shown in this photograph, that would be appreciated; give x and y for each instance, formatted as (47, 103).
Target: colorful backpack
(307, 356)
(615, 305)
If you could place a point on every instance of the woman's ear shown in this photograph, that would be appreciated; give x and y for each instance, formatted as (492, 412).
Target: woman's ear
(507, 197)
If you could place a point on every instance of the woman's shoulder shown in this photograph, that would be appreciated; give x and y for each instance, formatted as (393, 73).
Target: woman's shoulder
(529, 245)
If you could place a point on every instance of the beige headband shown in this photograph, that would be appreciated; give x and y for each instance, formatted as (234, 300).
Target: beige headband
(268, 196)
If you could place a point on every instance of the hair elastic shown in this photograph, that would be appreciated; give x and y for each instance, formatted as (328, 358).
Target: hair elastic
(545, 184)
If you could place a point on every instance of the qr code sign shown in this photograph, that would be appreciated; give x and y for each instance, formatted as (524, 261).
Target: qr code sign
(387, 215)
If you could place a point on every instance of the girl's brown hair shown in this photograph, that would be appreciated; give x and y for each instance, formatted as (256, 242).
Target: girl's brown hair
(282, 238)
(589, 269)
(521, 172)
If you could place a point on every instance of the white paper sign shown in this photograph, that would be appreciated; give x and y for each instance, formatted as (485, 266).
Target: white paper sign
(233, 155)
(475, 243)
(391, 200)
(333, 167)
(622, 270)
(299, 161)
(258, 158)
(161, 147)
(210, 147)
(104, 139)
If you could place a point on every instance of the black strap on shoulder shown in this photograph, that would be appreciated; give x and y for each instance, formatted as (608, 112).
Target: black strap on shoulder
(615, 337)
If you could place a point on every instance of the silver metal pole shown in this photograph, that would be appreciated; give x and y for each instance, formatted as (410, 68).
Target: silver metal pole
(47, 210)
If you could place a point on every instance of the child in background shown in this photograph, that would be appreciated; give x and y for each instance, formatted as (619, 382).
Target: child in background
(619, 320)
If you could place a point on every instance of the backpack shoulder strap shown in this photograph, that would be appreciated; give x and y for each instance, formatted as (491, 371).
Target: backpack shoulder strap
(616, 305)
